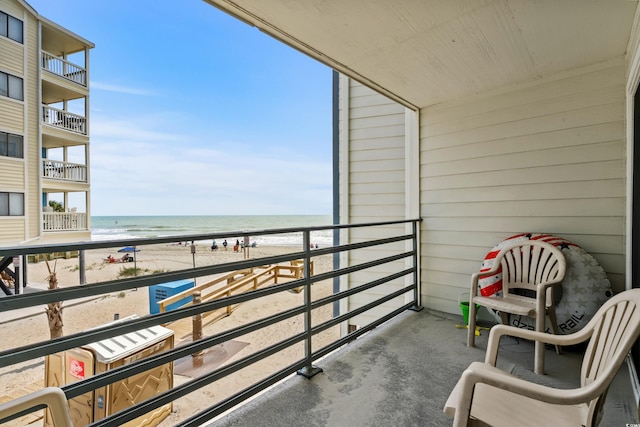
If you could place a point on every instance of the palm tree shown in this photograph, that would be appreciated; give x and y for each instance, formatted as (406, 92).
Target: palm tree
(54, 309)
(57, 206)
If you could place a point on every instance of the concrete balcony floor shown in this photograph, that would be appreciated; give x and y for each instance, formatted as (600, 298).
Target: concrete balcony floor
(401, 374)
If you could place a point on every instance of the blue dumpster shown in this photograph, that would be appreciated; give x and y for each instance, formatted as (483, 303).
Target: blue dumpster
(165, 290)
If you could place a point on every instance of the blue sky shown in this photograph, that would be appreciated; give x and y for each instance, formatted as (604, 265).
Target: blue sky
(194, 112)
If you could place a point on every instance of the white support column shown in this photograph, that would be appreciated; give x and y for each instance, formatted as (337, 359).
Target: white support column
(344, 105)
(412, 182)
(633, 81)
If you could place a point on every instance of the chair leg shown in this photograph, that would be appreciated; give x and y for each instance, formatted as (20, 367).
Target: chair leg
(504, 317)
(538, 363)
(554, 327)
(471, 327)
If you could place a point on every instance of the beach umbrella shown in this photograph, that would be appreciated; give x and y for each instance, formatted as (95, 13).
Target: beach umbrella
(133, 249)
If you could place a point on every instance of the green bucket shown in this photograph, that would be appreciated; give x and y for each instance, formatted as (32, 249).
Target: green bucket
(464, 306)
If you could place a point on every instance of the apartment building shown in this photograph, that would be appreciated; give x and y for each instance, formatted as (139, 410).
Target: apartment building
(44, 129)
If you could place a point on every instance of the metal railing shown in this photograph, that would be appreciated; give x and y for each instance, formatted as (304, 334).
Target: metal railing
(58, 169)
(397, 256)
(64, 221)
(64, 68)
(64, 120)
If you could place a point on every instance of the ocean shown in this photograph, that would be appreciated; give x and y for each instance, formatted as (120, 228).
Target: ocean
(128, 227)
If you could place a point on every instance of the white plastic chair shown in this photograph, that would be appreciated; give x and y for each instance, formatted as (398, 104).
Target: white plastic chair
(486, 394)
(527, 267)
(53, 397)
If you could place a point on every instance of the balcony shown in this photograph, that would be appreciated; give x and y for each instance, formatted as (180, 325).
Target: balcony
(401, 373)
(67, 171)
(392, 365)
(64, 221)
(61, 119)
(63, 68)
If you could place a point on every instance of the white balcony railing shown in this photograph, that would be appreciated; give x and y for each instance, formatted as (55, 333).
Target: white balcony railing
(64, 119)
(57, 169)
(64, 221)
(64, 68)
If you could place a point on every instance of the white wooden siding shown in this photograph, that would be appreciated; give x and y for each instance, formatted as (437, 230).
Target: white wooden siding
(11, 174)
(11, 229)
(376, 190)
(13, 8)
(33, 197)
(544, 157)
(12, 117)
(12, 54)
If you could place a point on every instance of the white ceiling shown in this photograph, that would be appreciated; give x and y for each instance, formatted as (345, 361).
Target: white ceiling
(423, 52)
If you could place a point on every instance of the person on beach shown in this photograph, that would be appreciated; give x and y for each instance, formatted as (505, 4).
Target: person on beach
(236, 248)
(225, 244)
(214, 245)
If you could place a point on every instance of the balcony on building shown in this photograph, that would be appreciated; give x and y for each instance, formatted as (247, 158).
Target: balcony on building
(64, 59)
(65, 184)
(63, 164)
(63, 221)
(65, 88)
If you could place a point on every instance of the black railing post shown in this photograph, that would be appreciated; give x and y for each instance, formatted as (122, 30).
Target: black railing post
(25, 279)
(82, 267)
(16, 279)
(416, 278)
(309, 370)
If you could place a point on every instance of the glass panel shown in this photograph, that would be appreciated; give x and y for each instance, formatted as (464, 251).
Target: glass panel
(15, 88)
(3, 24)
(4, 204)
(3, 144)
(15, 29)
(16, 204)
(15, 146)
(4, 88)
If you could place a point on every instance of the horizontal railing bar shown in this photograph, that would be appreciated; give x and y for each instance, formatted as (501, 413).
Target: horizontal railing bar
(153, 361)
(360, 245)
(177, 392)
(241, 396)
(115, 374)
(133, 412)
(361, 288)
(215, 410)
(359, 267)
(339, 319)
(88, 245)
(32, 351)
(355, 334)
(369, 243)
(140, 366)
(66, 294)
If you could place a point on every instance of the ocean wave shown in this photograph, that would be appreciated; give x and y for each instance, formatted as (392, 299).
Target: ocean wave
(123, 227)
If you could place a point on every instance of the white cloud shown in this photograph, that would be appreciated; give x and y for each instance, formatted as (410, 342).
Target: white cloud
(139, 170)
(120, 89)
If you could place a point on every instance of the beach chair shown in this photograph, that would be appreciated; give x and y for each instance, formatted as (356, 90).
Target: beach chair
(487, 394)
(530, 269)
(53, 397)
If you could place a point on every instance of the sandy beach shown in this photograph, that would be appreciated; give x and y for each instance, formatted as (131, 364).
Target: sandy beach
(20, 379)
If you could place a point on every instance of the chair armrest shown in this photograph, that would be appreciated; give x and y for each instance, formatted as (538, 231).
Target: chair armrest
(475, 277)
(53, 397)
(541, 288)
(498, 331)
(479, 372)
